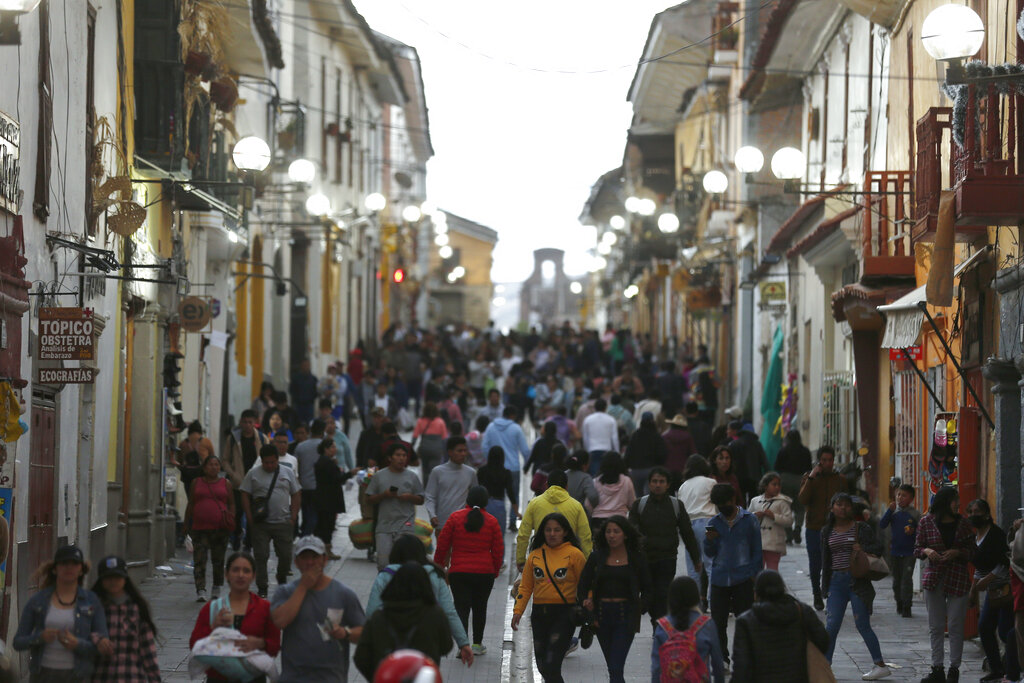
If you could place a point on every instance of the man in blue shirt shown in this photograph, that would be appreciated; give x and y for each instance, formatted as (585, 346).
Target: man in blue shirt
(903, 517)
(733, 542)
(505, 432)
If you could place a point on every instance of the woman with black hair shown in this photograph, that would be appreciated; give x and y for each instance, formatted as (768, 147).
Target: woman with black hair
(550, 576)
(645, 451)
(407, 548)
(684, 614)
(616, 587)
(841, 536)
(615, 490)
(328, 496)
(792, 461)
(991, 576)
(771, 637)
(472, 548)
(723, 471)
(128, 655)
(946, 540)
(497, 479)
(409, 618)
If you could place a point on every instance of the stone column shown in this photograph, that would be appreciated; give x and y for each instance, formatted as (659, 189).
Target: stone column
(1006, 387)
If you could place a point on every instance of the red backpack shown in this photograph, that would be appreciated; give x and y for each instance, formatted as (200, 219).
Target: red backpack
(678, 655)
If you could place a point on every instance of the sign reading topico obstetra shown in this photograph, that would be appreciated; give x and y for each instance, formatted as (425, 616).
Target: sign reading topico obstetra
(66, 334)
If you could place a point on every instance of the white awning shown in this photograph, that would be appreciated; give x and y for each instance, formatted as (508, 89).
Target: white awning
(903, 317)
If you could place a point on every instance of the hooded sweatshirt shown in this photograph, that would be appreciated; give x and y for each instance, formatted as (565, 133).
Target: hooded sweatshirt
(564, 564)
(614, 499)
(769, 643)
(402, 624)
(507, 434)
(555, 499)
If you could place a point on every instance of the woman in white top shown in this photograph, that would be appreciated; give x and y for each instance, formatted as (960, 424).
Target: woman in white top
(695, 494)
(775, 512)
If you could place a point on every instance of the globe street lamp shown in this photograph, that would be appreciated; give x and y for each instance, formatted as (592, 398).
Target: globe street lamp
(318, 204)
(302, 171)
(668, 223)
(411, 213)
(646, 207)
(748, 159)
(375, 201)
(617, 222)
(789, 165)
(251, 154)
(715, 182)
(952, 32)
(445, 252)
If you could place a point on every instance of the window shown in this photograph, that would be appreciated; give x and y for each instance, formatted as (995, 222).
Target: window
(908, 395)
(839, 424)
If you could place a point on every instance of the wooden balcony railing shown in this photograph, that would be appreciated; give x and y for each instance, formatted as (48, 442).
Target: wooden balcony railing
(986, 174)
(885, 237)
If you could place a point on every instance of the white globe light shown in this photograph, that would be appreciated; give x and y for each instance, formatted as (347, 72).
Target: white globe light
(451, 277)
(604, 249)
(411, 213)
(646, 207)
(575, 287)
(599, 263)
(715, 182)
(458, 271)
(318, 204)
(617, 222)
(632, 204)
(952, 32)
(499, 289)
(439, 218)
(375, 201)
(445, 251)
(251, 154)
(668, 223)
(441, 240)
(428, 208)
(748, 159)
(631, 291)
(302, 171)
(610, 238)
(498, 301)
(789, 163)
(441, 229)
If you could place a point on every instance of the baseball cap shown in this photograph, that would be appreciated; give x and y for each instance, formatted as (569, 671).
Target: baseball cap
(313, 543)
(69, 553)
(112, 565)
(735, 412)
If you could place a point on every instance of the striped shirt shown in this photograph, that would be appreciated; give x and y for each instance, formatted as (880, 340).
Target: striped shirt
(840, 544)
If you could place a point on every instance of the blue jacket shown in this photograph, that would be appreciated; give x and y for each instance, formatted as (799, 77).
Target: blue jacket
(736, 553)
(90, 619)
(708, 647)
(507, 434)
(904, 529)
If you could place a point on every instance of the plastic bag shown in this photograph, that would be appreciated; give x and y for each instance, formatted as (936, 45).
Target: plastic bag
(188, 543)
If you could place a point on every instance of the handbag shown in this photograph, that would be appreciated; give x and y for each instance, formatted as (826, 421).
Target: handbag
(863, 565)
(260, 507)
(539, 483)
(818, 668)
(578, 615)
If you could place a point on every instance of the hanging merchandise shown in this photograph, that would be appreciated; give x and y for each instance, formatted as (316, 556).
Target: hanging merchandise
(788, 402)
(11, 425)
(942, 461)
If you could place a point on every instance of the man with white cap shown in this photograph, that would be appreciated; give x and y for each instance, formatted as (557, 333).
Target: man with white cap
(318, 616)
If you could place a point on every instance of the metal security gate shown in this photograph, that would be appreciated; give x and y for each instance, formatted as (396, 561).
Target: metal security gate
(839, 424)
(907, 391)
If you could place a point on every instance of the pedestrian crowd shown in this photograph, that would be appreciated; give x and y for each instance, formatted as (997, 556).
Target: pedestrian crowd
(634, 459)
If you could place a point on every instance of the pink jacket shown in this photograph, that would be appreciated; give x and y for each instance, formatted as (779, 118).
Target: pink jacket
(614, 499)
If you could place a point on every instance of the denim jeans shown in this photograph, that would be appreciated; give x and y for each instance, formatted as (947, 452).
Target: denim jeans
(840, 593)
(813, 537)
(993, 626)
(595, 462)
(615, 634)
(308, 512)
(496, 506)
(552, 633)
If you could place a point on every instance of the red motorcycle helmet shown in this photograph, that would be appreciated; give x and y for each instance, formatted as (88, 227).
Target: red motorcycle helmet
(407, 666)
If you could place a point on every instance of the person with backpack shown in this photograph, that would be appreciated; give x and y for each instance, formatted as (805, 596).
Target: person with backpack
(772, 636)
(685, 645)
(409, 618)
(615, 587)
(662, 520)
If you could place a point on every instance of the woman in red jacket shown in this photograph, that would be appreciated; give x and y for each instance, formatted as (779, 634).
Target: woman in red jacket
(241, 610)
(471, 547)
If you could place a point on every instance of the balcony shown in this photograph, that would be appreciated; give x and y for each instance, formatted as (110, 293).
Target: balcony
(885, 240)
(984, 174)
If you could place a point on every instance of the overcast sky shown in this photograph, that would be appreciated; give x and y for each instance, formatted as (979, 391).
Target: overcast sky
(518, 146)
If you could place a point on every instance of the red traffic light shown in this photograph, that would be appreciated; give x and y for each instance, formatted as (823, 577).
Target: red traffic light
(398, 276)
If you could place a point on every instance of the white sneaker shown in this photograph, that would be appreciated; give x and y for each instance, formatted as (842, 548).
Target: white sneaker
(876, 673)
(479, 650)
(200, 595)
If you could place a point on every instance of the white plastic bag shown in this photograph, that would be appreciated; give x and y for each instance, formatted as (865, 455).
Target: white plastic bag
(188, 544)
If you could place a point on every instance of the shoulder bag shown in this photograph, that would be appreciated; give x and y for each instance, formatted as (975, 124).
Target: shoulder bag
(818, 668)
(863, 565)
(260, 507)
(579, 615)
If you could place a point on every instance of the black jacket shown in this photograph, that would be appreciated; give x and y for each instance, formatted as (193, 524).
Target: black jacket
(416, 626)
(646, 449)
(869, 543)
(639, 582)
(662, 528)
(701, 433)
(770, 642)
(748, 460)
(540, 455)
(368, 447)
(793, 460)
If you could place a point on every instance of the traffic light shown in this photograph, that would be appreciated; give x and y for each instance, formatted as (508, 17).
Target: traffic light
(398, 277)
(171, 370)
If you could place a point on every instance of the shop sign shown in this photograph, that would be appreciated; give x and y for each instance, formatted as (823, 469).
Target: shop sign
(195, 313)
(913, 351)
(773, 290)
(66, 334)
(67, 375)
(10, 168)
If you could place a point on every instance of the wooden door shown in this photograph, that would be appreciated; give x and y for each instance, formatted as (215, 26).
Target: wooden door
(42, 510)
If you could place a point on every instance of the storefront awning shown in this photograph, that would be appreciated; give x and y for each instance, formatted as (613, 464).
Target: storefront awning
(904, 317)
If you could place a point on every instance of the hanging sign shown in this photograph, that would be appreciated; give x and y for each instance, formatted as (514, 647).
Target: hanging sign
(10, 169)
(67, 375)
(195, 313)
(66, 334)
(773, 290)
(914, 351)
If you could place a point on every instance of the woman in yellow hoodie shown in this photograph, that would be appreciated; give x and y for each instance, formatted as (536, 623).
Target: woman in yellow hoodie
(550, 576)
